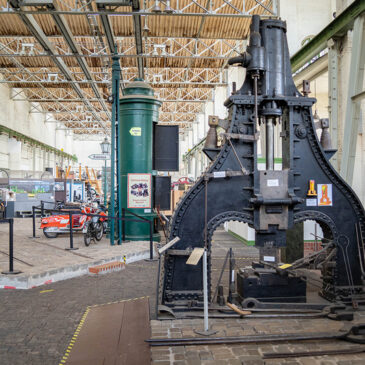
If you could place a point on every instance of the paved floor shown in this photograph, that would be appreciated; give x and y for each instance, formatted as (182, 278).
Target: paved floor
(36, 257)
(37, 325)
(248, 354)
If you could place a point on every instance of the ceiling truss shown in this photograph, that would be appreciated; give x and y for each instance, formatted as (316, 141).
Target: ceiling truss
(56, 55)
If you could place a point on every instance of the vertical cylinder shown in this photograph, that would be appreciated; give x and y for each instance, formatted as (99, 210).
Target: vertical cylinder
(269, 144)
(138, 111)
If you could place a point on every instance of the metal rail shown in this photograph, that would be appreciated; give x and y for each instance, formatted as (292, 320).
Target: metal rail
(70, 213)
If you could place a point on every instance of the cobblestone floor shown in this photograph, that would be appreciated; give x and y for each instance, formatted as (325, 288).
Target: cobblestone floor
(249, 354)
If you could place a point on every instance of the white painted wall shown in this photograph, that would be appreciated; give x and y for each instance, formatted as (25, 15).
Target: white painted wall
(17, 155)
(305, 18)
(84, 149)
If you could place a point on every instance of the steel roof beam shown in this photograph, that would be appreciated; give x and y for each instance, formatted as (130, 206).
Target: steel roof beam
(38, 33)
(34, 83)
(53, 100)
(69, 38)
(137, 23)
(108, 30)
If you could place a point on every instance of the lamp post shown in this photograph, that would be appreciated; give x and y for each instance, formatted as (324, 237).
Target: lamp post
(105, 149)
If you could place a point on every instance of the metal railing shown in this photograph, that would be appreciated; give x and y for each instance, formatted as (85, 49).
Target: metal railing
(70, 213)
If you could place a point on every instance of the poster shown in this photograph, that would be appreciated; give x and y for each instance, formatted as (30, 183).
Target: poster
(59, 186)
(139, 191)
(77, 192)
(324, 195)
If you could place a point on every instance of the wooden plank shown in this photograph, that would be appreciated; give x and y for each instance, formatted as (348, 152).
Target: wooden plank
(195, 256)
(114, 334)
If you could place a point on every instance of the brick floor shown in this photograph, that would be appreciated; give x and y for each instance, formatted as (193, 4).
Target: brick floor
(246, 354)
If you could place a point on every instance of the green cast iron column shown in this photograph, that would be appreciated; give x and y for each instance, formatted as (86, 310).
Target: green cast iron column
(137, 112)
(115, 93)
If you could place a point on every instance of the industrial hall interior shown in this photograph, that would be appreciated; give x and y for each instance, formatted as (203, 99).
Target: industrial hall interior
(182, 182)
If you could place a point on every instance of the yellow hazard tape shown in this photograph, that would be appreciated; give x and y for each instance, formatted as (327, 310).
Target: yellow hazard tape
(285, 266)
(74, 337)
(118, 301)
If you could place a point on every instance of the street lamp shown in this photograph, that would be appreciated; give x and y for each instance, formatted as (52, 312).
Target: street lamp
(105, 146)
(105, 149)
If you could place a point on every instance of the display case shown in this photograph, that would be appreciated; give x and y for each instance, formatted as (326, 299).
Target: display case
(29, 188)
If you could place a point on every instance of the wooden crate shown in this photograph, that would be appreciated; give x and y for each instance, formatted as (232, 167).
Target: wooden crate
(175, 197)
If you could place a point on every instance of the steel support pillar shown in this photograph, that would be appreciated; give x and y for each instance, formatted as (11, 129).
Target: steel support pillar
(352, 117)
(333, 99)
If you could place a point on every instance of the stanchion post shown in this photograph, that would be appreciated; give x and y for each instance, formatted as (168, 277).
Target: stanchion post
(71, 234)
(11, 250)
(231, 275)
(33, 223)
(123, 225)
(42, 208)
(33, 219)
(206, 331)
(151, 242)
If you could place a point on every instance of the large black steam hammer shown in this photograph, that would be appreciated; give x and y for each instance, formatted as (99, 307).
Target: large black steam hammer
(270, 201)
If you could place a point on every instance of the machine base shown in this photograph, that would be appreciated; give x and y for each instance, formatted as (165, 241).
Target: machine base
(266, 285)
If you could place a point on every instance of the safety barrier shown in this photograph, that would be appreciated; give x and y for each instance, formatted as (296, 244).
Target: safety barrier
(143, 219)
(72, 212)
(11, 247)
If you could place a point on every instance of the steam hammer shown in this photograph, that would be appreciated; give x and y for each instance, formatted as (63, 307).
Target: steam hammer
(271, 201)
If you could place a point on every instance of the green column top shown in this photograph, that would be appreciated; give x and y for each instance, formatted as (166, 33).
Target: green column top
(138, 88)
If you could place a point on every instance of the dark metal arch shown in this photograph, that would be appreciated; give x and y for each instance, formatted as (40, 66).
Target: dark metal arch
(327, 224)
(226, 217)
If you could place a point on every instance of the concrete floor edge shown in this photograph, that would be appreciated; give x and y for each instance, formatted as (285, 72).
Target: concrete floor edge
(54, 275)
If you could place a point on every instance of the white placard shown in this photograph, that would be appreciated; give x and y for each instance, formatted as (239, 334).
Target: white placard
(139, 191)
(217, 174)
(311, 202)
(269, 258)
(273, 182)
(147, 210)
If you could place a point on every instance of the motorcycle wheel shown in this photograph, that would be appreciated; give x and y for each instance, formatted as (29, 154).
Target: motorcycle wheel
(49, 234)
(87, 236)
(99, 231)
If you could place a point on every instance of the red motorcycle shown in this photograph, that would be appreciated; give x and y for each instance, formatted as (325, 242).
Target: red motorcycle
(55, 224)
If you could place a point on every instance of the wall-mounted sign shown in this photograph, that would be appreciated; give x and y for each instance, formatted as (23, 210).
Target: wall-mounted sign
(324, 195)
(139, 191)
(100, 156)
(135, 131)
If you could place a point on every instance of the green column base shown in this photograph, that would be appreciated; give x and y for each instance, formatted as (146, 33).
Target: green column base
(143, 237)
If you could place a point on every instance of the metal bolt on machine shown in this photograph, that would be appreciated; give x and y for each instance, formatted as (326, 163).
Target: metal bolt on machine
(271, 201)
